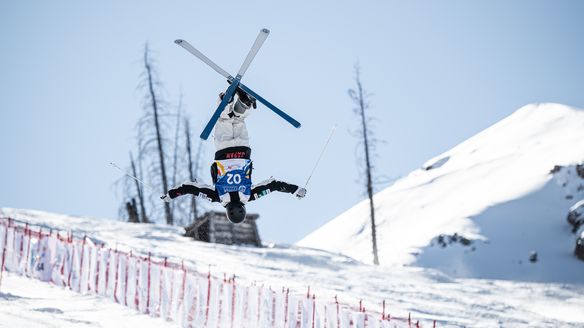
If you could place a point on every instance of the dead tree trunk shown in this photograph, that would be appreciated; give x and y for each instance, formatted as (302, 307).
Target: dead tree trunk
(139, 191)
(192, 171)
(140, 171)
(195, 175)
(175, 152)
(132, 211)
(155, 110)
(143, 217)
(359, 97)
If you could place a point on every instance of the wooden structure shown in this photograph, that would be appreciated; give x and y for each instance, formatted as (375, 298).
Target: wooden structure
(214, 227)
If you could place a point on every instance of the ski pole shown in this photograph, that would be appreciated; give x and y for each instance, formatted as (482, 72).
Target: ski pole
(133, 177)
(321, 153)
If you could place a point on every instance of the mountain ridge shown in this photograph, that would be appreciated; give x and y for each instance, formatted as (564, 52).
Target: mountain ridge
(507, 161)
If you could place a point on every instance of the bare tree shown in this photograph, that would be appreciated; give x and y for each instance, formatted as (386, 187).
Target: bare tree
(153, 139)
(360, 98)
(193, 168)
(176, 147)
(139, 191)
(152, 122)
(132, 211)
(128, 211)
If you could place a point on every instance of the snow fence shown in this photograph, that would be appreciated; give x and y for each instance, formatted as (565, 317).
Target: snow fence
(169, 290)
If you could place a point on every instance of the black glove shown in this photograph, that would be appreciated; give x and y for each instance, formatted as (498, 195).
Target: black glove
(222, 94)
(245, 98)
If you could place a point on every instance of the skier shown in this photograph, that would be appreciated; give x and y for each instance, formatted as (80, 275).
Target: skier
(232, 169)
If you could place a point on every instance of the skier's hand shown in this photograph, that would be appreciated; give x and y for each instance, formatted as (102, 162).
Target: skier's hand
(300, 193)
(222, 94)
(248, 100)
(165, 198)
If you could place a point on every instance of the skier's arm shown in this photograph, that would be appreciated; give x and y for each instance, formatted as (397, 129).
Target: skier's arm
(265, 187)
(193, 188)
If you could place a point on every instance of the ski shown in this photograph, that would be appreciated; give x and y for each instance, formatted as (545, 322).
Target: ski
(188, 47)
(226, 98)
(262, 36)
(274, 109)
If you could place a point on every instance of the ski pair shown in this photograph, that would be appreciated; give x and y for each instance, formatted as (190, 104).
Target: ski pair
(235, 82)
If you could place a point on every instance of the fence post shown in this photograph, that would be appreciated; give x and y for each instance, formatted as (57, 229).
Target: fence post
(299, 308)
(137, 275)
(116, 267)
(29, 232)
(233, 301)
(313, 309)
(208, 298)
(89, 267)
(4, 252)
(6, 235)
(107, 270)
(383, 311)
(338, 312)
(2, 266)
(126, 269)
(81, 262)
(21, 246)
(72, 255)
(148, 293)
(273, 294)
(38, 249)
(97, 265)
(286, 303)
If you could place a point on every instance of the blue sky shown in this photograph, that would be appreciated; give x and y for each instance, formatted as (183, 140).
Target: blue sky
(439, 72)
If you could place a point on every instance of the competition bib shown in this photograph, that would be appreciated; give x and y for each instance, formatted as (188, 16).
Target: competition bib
(234, 175)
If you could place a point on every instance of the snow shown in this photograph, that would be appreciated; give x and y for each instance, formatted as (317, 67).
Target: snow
(494, 189)
(428, 294)
(27, 302)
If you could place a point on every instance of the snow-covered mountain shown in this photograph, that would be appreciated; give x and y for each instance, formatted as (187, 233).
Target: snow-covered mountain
(483, 207)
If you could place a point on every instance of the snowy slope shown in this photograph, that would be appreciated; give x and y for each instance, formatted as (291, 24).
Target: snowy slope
(495, 189)
(426, 293)
(31, 303)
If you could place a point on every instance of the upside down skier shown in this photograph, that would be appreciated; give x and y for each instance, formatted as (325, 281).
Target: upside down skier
(231, 171)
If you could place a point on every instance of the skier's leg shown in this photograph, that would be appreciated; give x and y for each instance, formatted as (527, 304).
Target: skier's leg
(230, 133)
(230, 130)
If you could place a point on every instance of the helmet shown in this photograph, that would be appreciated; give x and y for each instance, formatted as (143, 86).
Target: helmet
(235, 211)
